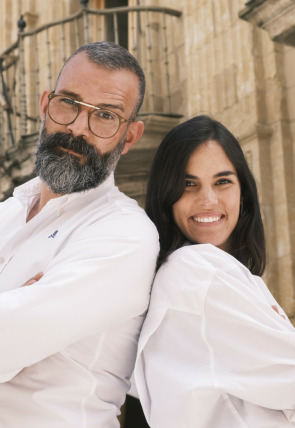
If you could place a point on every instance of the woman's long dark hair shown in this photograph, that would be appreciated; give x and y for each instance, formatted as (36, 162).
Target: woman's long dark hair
(167, 182)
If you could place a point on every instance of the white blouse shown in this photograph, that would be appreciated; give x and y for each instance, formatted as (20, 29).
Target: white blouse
(213, 353)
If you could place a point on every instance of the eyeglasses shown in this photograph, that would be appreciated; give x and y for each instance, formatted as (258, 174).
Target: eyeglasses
(102, 123)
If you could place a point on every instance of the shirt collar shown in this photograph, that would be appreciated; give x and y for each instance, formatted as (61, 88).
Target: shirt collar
(32, 189)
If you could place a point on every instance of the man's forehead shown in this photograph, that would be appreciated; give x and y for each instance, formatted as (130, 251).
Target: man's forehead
(82, 61)
(95, 84)
(81, 70)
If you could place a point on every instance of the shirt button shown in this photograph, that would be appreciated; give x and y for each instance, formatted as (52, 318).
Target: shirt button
(2, 260)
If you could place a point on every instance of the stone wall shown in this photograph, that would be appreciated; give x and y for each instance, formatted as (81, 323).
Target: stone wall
(17, 165)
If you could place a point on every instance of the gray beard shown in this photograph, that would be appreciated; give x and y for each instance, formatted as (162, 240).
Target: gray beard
(65, 173)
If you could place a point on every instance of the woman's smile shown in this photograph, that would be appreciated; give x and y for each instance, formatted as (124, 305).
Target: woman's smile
(212, 218)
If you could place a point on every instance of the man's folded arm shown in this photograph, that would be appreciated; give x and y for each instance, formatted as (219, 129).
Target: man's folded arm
(93, 284)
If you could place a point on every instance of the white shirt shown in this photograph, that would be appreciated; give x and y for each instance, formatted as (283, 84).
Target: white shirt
(68, 342)
(213, 353)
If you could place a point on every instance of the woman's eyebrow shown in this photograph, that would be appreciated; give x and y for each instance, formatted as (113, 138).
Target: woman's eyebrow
(193, 177)
(219, 174)
(224, 173)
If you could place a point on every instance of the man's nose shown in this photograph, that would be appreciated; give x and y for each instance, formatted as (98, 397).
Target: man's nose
(80, 126)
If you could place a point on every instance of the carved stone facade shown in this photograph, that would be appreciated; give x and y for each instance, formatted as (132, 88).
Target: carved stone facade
(233, 70)
(276, 17)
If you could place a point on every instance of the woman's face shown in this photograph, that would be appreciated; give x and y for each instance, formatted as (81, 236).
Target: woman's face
(209, 208)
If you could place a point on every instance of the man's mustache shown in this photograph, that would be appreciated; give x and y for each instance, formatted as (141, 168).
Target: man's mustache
(61, 140)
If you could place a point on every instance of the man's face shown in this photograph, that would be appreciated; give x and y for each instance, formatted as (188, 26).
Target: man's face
(116, 91)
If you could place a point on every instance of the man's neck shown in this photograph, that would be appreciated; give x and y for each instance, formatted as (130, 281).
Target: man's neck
(45, 195)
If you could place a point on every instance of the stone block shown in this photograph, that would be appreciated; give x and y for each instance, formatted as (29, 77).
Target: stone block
(281, 227)
(289, 66)
(290, 99)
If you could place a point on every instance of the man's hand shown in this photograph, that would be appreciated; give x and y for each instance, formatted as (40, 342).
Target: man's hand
(33, 279)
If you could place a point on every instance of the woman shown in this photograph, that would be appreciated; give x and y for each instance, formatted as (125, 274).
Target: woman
(213, 352)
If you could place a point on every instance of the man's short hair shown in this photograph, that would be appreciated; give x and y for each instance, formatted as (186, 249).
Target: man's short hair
(113, 57)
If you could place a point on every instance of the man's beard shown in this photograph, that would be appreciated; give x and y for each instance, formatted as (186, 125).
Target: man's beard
(64, 172)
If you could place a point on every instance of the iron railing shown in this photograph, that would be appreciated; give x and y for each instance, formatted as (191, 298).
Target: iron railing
(32, 63)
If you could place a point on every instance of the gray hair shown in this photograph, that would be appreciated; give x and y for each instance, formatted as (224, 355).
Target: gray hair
(113, 57)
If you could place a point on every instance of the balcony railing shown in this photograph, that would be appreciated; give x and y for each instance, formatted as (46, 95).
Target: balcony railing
(32, 63)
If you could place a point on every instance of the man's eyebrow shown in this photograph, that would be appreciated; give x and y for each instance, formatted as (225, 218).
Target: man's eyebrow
(70, 94)
(219, 174)
(102, 105)
(111, 107)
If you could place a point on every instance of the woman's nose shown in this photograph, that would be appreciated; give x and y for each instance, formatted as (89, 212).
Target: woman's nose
(208, 196)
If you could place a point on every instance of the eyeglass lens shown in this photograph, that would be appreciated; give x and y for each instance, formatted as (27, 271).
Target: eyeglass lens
(103, 123)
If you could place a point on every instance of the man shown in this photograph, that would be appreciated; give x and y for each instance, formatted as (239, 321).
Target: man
(85, 252)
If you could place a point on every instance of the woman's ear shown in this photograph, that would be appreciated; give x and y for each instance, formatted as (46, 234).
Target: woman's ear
(43, 103)
(134, 133)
